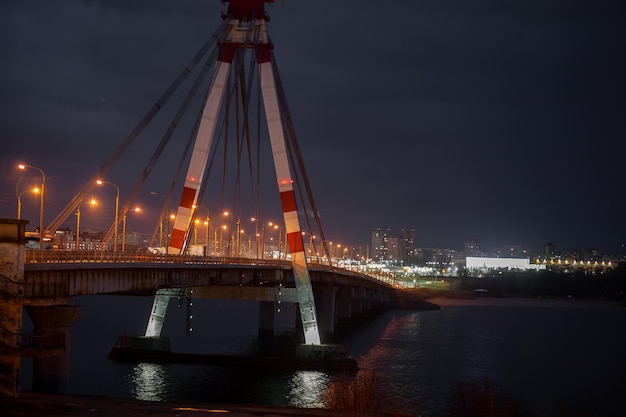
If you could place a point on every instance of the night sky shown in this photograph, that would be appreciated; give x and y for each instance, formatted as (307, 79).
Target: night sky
(502, 121)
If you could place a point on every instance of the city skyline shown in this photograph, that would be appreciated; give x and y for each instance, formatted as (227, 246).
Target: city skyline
(488, 121)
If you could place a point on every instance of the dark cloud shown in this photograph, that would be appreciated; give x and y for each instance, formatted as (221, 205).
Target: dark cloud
(501, 121)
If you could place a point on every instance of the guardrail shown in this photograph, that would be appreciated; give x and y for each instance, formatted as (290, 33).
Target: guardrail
(31, 257)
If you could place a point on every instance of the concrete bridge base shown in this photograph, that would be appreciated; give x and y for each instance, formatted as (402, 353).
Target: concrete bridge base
(141, 349)
(307, 357)
(52, 331)
(329, 357)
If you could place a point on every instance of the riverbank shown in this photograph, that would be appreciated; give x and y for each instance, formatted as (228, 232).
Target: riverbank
(442, 297)
(60, 405)
(486, 301)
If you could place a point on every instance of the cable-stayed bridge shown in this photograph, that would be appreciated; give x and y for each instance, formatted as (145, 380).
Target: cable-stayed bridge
(240, 105)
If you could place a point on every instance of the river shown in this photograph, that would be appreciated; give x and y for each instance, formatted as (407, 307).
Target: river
(553, 357)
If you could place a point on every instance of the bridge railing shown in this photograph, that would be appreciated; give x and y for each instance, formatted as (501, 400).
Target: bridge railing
(33, 257)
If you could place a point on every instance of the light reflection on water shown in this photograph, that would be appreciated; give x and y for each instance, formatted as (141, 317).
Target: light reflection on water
(306, 388)
(148, 382)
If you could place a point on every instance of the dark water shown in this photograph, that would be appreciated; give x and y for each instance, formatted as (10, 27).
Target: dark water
(556, 361)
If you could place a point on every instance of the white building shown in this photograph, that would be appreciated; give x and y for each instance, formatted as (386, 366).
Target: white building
(484, 264)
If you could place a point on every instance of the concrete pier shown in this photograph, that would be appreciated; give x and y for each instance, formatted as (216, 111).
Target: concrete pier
(12, 240)
(325, 300)
(52, 329)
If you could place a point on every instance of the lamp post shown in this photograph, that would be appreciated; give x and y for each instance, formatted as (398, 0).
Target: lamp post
(239, 231)
(91, 202)
(207, 223)
(311, 238)
(170, 219)
(117, 204)
(136, 210)
(259, 247)
(224, 227)
(41, 205)
(337, 253)
(330, 254)
(228, 249)
(280, 239)
(19, 201)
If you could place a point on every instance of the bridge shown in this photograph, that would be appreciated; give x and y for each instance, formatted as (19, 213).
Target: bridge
(229, 124)
(45, 282)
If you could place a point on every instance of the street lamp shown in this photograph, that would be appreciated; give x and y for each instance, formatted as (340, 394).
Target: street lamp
(228, 249)
(224, 227)
(330, 255)
(136, 210)
(310, 250)
(311, 246)
(262, 237)
(207, 223)
(41, 205)
(280, 238)
(249, 255)
(170, 219)
(239, 232)
(92, 203)
(19, 201)
(117, 204)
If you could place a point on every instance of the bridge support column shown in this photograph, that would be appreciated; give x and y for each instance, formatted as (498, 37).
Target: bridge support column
(266, 318)
(12, 240)
(325, 298)
(10, 337)
(52, 329)
(344, 305)
(358, 301)
(367, 301)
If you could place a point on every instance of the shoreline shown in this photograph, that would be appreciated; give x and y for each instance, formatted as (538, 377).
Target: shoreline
(59, 405)
(520, 301)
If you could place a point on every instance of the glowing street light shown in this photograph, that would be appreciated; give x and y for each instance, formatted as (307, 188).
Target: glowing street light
(19, 200)
(311, 238)
(261, 236)
(117, 204)
(136, 210)
(239, 232)
(280, 238)
(170, 219)
(41, 206)
(92, 203)
(224, 227)
(207, 223)
(228, 250)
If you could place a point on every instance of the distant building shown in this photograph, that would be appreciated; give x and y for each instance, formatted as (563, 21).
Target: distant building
(550, 251)
(478, 265)
(510, 251)
(392, 247)
(379, 244)
(472, 247)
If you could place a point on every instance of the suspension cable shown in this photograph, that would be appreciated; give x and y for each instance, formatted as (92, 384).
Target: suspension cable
(83, 192)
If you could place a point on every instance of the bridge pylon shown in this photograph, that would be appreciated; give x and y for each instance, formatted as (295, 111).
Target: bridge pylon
(246, 30)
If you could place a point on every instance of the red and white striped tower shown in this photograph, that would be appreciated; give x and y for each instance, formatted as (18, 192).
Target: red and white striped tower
(244, 15)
